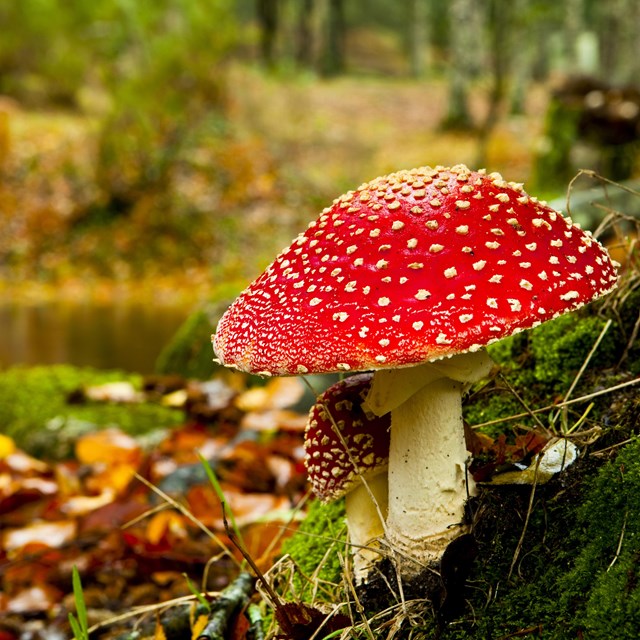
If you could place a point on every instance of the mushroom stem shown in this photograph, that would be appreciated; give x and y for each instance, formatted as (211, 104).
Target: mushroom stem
(366, 508)
(428, 485)
(427, 480)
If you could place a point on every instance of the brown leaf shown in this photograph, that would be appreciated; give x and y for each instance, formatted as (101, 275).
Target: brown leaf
(36, 598)
(302, 621)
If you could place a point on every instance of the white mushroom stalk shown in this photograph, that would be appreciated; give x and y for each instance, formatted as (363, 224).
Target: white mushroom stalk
(366, 508)
(428, 482)
(346, 455)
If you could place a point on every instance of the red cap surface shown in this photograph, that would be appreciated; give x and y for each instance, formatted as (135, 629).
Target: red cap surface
(330, 469)
(412, 266)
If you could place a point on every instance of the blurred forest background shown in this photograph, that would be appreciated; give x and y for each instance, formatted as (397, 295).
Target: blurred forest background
(163, 151)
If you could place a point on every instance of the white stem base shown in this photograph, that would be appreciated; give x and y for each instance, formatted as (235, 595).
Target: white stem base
(428, 485)
(365, 521)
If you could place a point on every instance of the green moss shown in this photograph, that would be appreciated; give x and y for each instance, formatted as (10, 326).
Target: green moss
(317, 546)
(189, 353)
(32, 397)
(559, 349)
(541, 365)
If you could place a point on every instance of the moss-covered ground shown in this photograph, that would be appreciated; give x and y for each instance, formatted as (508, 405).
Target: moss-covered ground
(38, 410)
(559, 560)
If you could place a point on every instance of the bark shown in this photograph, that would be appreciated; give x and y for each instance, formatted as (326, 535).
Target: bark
(462, 53)
(334, 49)
(417, 33)
(305, 33)
(231, 601)
(268, 19)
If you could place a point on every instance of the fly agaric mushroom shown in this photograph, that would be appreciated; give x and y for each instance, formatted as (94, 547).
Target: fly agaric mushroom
(347, 452)
(420, 266)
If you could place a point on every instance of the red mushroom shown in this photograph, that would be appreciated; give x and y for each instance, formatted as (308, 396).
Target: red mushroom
(421, 266)
(347, 453)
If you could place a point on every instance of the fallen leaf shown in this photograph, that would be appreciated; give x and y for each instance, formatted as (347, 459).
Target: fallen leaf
(161, 525)
(51, 534)
(278, 393)
(108, 446)
(20, 462)
(37, 598)
(7, 446)
(273, 420)
(119, 392)
(81, 505)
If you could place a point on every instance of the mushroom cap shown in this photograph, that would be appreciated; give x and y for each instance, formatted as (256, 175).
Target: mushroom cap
(410, 267)
(330, 469)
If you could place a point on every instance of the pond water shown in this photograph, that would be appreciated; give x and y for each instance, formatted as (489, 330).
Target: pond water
(121, 335)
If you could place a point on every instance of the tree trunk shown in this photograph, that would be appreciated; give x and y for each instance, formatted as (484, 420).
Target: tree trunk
(333, 57)
(305, 33)
(500, 21)
(268, 19)
(461, 64)
(417, 34)
(573, 27)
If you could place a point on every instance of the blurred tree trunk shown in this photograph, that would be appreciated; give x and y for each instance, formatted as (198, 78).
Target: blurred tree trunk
(333, 55)
(574, 26)
(521, 45)
(267, 12)
(619, 41)
(460, 63)
(417, 32)
(500, 21)
(304, 33)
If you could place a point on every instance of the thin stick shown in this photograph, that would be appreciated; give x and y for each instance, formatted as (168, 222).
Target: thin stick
(148, 608)
(185, 512)
(583, 368)
(551, 407)
(524, 404)
(619, 549)
(526, 520)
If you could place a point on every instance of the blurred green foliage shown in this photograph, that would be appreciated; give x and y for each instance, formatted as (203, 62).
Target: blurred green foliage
(189, 353)
(151, 73)
(162, 49)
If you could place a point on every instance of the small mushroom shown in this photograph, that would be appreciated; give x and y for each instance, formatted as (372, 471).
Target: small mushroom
(412, 275)
(347, 452)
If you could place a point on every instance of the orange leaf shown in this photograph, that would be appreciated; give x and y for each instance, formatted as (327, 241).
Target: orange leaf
(109, 447)
(164, 523)
(115, 478)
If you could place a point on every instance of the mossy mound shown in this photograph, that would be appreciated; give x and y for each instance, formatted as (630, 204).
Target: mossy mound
(31, 398)
(561, 560)
(541, 365)
(574, 572)
(189, 353)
